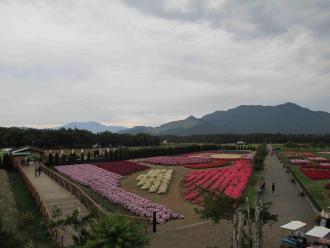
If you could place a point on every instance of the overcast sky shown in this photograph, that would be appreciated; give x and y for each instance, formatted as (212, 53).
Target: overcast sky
(137, 62)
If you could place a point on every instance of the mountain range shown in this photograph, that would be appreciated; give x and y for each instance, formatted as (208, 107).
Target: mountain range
(93, 126)
(288, 118)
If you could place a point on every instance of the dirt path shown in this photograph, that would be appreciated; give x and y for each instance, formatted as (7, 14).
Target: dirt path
(286, 201)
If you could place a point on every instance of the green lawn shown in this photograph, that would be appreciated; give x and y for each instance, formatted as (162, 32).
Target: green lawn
(30, 227)
(251, 191)
(314, 187)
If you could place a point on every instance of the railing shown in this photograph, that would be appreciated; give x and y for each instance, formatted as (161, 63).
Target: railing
(90, 204)
(56, 233)
(85, 199)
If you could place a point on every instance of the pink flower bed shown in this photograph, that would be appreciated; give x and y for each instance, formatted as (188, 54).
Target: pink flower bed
(325, 164)
(318, 159)
(121, 167)
(106, 184)
(300, 161)
(231, 181)
(179, 160)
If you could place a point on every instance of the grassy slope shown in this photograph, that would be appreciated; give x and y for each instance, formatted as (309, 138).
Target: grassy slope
(31, 227)
(251, 191)
(314, 187)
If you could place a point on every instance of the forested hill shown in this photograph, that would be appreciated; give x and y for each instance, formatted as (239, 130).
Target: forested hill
(287, 118)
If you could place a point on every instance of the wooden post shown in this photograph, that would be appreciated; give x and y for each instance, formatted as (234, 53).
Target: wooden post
(154, 222)
(257, 232)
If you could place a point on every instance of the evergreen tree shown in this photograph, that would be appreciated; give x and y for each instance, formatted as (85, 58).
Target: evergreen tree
(50, 159)
(106, 155)
(74, 157)
(7, 162)
(63, 159)
(56, 159)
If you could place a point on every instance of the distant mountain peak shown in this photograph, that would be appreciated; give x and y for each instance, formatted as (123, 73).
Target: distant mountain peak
(93, 126)
(287, 118)
(191, 118)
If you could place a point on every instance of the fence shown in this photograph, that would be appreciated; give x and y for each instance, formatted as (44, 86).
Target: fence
(56, 233)
(90, 204)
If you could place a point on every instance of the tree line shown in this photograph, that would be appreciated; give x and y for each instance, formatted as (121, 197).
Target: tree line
(125, 153)
(75, 138)
(70, 138)
(250, 138)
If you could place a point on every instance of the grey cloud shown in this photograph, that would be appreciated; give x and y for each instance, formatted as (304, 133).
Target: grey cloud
(145, 62)
(248, 19)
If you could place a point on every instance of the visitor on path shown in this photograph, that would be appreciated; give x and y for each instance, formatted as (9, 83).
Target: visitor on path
(273, 188)
(39, 170)
(35, 171)
(263, 186)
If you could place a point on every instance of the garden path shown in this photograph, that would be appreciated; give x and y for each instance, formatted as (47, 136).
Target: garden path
(286, 201)
(53, 194)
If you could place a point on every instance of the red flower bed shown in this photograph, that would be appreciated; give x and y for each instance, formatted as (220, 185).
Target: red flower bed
(316, 166)
(231, 181)
(213, 164)
(121, 167)
(316, 174)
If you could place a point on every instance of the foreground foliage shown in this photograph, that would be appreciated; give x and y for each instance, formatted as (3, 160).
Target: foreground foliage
(114, 231)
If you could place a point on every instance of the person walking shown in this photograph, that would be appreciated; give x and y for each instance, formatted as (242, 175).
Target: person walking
(263, 187)
(35, 171)
(273, 188)
(39, 170)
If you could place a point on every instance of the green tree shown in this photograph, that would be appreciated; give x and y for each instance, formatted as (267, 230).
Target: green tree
(56, 159)
(50, 159)
(7, 163)
(63, 158)
(217, 206)
(114, 231)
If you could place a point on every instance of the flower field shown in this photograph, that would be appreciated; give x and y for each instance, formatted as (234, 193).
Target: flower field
(106, 184)
(231, 181)
(213, 164)
(121, 167)
(317, 159)
(156, 181)
(291, 154)
(300, 161)
(316, 174)
(178, 160)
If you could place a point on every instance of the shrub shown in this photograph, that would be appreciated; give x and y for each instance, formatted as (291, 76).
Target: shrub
(117, 231)
(7, 162)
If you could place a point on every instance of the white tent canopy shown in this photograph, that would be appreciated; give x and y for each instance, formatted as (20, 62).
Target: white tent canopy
(294, 225)
(318, 232)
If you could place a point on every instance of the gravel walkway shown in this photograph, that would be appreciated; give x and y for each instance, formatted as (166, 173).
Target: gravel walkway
(286, 202)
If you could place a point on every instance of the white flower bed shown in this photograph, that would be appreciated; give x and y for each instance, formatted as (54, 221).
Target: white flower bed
(156, 181)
